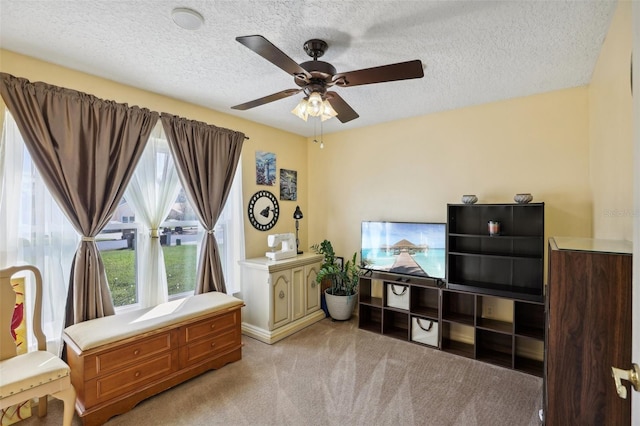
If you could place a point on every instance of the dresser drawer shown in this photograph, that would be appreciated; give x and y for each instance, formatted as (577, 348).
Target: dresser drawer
(208, 348)
(130, 379)
(109, 360)
(209, 327)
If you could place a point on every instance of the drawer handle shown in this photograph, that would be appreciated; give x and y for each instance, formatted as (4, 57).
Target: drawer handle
(422, 327)
(136, 352)
(281, 295)
(393, 289)
(213, 326)
(213, 344)
(137, 374)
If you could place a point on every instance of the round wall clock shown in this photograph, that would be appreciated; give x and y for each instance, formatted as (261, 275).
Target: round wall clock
(263, 210)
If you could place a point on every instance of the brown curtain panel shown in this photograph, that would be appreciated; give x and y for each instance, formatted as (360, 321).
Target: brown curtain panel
(206, 158)
(86, 149)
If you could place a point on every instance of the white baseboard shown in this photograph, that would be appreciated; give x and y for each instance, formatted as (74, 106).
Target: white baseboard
(280, 333)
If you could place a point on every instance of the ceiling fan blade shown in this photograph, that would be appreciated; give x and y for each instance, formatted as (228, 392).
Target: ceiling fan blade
(345, 112)
(392, 72)
(271, 53)
(267, 99)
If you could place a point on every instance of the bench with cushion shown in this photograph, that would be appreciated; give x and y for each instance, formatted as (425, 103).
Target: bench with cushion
(119, 360)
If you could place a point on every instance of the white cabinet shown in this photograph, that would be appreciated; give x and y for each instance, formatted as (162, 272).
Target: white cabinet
(281, 297)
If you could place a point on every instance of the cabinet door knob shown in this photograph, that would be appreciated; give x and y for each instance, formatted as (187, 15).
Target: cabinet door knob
(281, 294)
(632, 376)
(313, 284)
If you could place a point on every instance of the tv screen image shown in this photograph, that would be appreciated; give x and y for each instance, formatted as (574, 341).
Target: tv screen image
(408, 248)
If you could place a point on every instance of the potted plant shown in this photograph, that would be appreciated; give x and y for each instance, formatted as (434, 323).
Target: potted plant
(342, 292)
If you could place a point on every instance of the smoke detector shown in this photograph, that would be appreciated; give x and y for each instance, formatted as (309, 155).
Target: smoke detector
(187, 18)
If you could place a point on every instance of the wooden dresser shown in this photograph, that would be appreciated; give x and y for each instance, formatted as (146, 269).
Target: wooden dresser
(589, 331)
(120, 360)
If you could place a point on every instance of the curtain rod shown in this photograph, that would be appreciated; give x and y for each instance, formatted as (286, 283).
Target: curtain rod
(159, 113)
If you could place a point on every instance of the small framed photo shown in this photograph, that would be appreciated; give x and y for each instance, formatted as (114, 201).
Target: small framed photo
(340, 262)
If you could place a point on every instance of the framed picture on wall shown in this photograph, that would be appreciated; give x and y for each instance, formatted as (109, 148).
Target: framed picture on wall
(340, 262)
(265, 168)
(288, 185)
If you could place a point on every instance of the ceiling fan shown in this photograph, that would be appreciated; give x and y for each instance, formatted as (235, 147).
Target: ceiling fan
(317, 76)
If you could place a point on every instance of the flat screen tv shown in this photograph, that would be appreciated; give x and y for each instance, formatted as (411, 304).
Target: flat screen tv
(407, 248)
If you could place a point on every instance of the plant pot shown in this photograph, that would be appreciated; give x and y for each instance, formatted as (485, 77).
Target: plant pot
(340, 307)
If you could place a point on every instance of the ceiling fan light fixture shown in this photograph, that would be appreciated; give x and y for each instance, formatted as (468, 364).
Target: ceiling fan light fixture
(315, 104)
(327, 111)
(187, 18)
(301, 109)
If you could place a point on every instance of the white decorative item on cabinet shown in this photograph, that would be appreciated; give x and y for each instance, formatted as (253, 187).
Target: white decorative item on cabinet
(281, 297)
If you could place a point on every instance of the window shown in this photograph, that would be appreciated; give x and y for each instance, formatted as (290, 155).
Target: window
(46, 239)
(117, 245)
(180, 234)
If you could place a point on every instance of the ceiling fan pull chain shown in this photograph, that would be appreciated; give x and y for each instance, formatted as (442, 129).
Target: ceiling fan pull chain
(315, 133)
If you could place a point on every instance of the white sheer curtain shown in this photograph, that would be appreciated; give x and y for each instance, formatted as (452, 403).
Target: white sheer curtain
(11, 163)
(230, 234)
(151, 193)
(34, 231)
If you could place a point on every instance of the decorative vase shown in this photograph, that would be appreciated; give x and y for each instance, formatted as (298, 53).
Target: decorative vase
(523, 198)
(469, 199)
(340, 307)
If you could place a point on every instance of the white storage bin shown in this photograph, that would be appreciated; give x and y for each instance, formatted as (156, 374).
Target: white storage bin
(424, 331)
(398, 296)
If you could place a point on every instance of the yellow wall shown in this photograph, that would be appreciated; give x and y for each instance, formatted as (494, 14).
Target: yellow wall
(569, 148)
(409, 170)
(610, 132)
(291, 149)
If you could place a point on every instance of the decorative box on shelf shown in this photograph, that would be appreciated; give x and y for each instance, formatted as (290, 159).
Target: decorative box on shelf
(398, 296)
(424, 331)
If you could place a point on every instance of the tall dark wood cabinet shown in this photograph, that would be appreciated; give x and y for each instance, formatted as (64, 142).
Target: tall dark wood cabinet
(589, 331)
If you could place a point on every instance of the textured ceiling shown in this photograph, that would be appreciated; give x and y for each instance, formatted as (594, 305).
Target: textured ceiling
(473, 52)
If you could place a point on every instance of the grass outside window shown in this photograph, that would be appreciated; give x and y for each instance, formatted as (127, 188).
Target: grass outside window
(180, 263)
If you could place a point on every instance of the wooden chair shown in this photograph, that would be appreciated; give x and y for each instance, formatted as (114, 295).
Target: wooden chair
(34, 374)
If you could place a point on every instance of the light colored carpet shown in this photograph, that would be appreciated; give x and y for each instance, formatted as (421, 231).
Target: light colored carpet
(332, 373)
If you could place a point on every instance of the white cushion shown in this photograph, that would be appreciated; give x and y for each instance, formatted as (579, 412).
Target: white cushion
(28, 371)
(101, 331)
